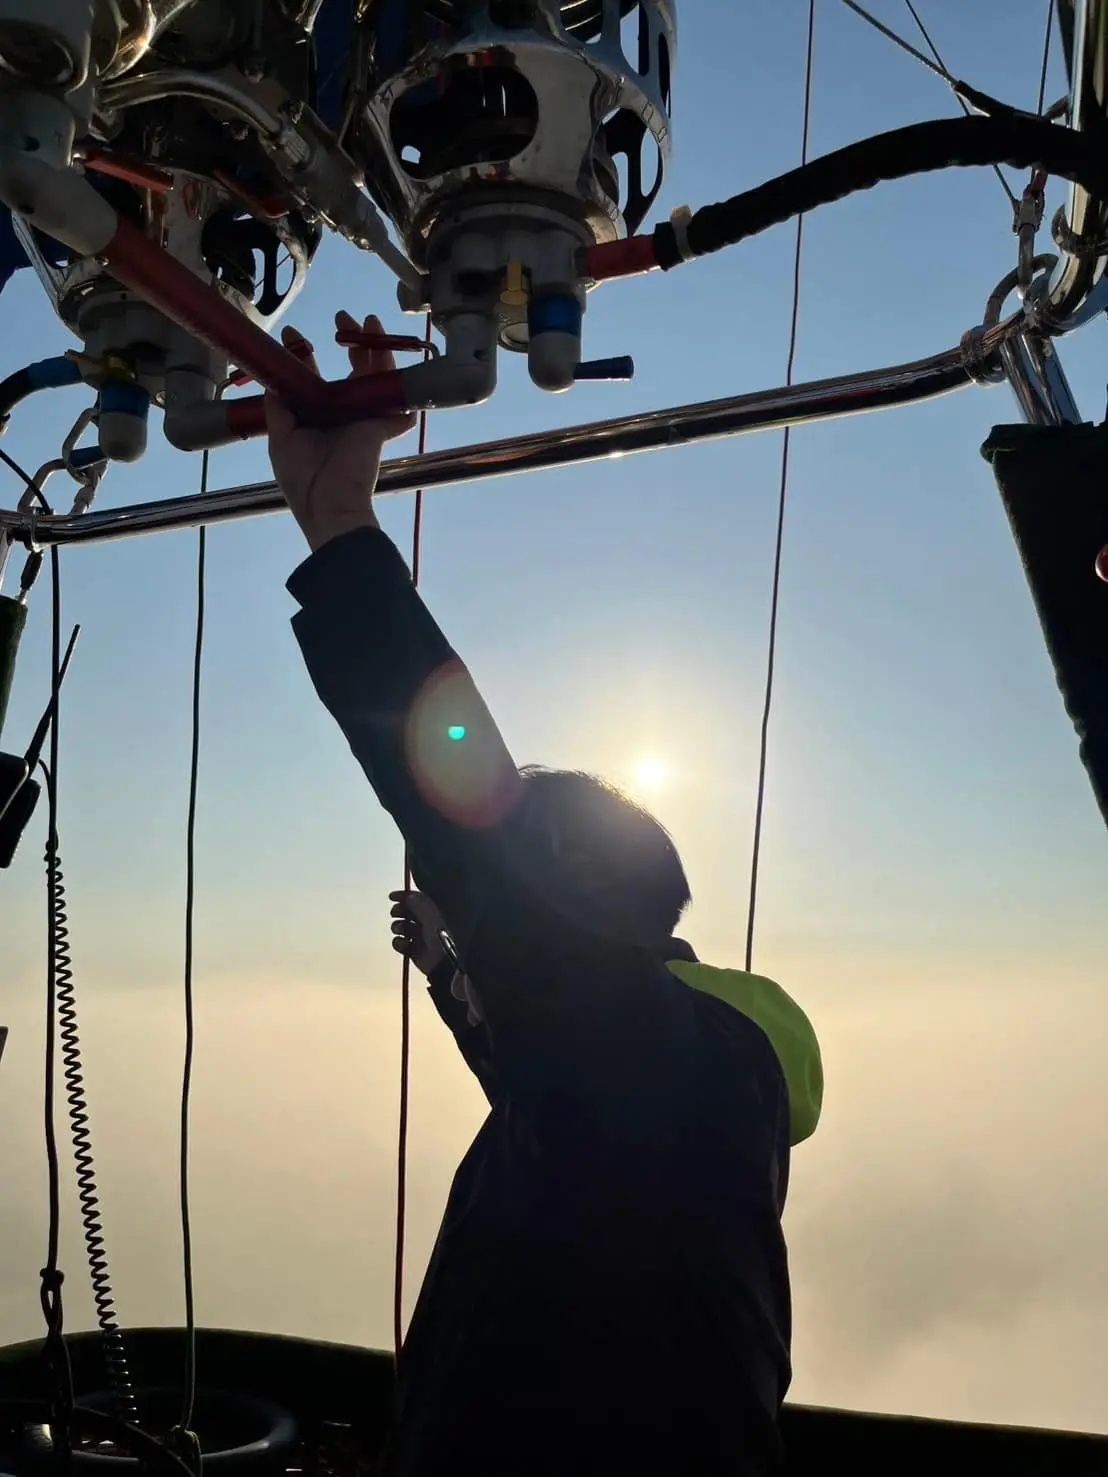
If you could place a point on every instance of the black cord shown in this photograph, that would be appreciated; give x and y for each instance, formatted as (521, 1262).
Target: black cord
(88, 1198)
(56, 1351)
(189, 1401)
(1047, 39)
(775, 599)
(13, 466)
(63, 1029)
(54, 1228)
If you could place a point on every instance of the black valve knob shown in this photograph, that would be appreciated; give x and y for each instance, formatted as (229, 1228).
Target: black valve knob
(621, 368)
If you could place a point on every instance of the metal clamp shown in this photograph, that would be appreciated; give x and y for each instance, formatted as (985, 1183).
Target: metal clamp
(1067, 240)
(1009, 283)
(31, 567)
(1027, 223)
(981, 346)
(32, 496)
(33, 501)
(979, 356)
(87, 466)
(680, 220)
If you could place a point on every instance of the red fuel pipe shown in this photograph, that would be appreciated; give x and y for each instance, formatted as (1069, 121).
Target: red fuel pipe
(132, 171)
(613, 259)
(201, 310)
(365, 397)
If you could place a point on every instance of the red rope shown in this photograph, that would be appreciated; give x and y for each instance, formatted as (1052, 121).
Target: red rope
(783, 497)
(406, 977)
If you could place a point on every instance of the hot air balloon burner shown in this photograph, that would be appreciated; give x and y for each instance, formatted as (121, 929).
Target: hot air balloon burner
(506, 137)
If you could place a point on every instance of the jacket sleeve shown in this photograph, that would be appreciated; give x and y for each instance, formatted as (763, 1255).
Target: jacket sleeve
(453, 1013)
(472, 1041)
(412, 716)
(557, 999)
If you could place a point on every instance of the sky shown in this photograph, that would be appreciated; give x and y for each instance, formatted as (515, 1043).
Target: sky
(934, 868)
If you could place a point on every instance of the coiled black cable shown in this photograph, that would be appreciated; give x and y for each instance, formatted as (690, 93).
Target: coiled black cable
(55, 1349)
(65, 1000)
(61, 1026)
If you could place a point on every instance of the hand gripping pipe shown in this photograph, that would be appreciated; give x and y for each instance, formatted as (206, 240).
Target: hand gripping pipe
(684, 425)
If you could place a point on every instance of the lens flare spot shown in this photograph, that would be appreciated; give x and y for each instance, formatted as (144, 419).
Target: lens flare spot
(456, 733)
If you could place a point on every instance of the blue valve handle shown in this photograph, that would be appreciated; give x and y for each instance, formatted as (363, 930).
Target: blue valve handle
(621, 368)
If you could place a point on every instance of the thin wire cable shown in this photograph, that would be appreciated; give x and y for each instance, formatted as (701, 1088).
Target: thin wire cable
(925, 33)
(406, 973)
(898, 40)
(1047, 39)
(933, 63)
(935, 52)
(188, 1403)
(786, 447)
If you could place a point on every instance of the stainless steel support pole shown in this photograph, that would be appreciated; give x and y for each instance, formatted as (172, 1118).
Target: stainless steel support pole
(1038, 381)
(684, 425)
(1086, 217)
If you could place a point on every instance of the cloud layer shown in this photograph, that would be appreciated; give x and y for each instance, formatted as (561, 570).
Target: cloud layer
(947, 1224)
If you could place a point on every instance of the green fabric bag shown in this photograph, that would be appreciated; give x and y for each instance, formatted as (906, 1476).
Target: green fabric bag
(788, 1028)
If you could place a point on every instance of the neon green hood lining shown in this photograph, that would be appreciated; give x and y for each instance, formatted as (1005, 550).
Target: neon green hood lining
(789, 1031)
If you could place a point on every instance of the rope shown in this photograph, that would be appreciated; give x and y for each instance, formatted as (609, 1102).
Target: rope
(775, 599)
(183, 1432)
(938, 66)
(898, 40)
(926, 34)
(406, 973)
(1047, 39)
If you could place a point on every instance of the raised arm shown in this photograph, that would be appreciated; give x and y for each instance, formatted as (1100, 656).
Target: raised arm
(412, 717)
(556, 996)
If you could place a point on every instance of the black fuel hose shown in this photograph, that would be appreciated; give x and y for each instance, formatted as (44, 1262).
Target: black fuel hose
(1020, 141)
(1015, 139)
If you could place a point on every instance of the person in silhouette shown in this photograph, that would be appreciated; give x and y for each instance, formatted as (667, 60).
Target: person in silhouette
(609, 1290)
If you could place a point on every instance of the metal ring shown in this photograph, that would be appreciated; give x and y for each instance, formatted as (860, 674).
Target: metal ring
(1009, 283)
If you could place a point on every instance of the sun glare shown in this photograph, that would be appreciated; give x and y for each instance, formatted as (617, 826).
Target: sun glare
(650, 774)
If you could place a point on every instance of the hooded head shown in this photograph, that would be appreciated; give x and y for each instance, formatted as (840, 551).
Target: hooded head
(599, 857)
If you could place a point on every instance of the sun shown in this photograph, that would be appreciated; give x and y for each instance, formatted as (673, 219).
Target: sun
(651, 774)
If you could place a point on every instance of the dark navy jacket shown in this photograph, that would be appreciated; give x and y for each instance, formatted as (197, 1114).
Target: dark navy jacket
(609, 1290)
